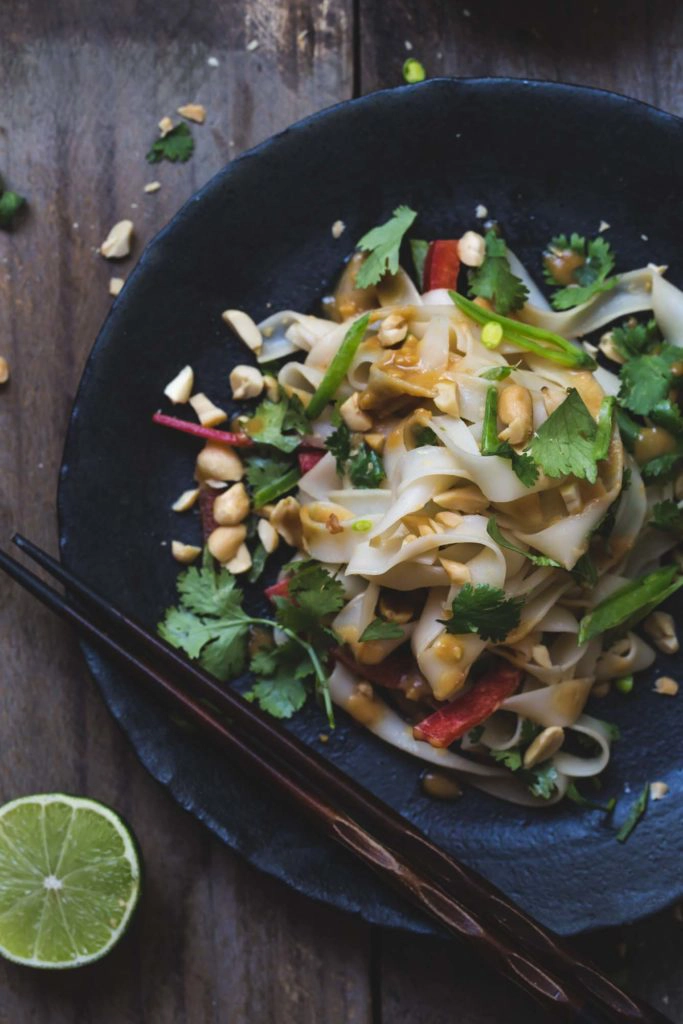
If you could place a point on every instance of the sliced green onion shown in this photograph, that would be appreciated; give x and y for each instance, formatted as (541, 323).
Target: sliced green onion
(625, 684)
(276, 488)
(491, 335)
(338, 368)
(413, 71)
(635, 814)
(489, 432)
(630, 603)
(496, 372)
(361, 525)
(527, 337)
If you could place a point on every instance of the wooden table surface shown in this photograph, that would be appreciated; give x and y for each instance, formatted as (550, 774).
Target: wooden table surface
(83, 85)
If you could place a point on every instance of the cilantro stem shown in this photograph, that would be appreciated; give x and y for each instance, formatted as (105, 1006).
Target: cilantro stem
(276, 488)
(338, 368)
(322, 684)
(526, 336)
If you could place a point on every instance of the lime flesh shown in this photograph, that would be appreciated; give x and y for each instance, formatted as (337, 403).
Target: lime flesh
(69, 880)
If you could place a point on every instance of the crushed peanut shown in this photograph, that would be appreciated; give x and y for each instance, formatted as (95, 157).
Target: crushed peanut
(457, 572)
(338, 228)
(232, 506)
(660, 627)
(117, 243)
(186, 500)
(472, 249)
(272, 388)
(544, 746)
(267, 535)
(184, 553)
(658, 790)
(218, 463)
(115, 285)
(224, 542)
(393, 330)
(244, 326)
(246, 382)
(165, 126)
(193, 112)
(286, 520)
(4, 370)
(353, 416)
(208, 414)
(180, 388)
(152, 186)
(667, 686)
(241, 562)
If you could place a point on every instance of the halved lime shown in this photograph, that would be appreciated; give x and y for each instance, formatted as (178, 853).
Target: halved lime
(69, 880)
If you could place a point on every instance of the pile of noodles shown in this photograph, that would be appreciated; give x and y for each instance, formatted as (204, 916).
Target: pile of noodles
(554, 517)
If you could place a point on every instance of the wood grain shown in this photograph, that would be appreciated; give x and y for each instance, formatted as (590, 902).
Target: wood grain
(83, 86)
(214, 940)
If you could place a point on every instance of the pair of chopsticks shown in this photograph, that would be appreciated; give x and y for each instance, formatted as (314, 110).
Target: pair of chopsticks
(461, 901)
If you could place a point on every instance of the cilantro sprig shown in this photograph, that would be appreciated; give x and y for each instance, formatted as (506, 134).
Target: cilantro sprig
(570, 442)
(484, 610)
(363, 464)
(636, 339)
(494, 280)
(383, 244)
(590, 277)
(279, 424)
(176, 146)
(10, 204)
(211, 626)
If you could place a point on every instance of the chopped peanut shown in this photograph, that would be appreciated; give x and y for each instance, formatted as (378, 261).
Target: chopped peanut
(224, 542)
(541, 656)
(472, 249)
(658, 790)
(467, 499)
(449, 519)
(353, 416)
(246, 382)
(115, 285)
(217, 462)
(285, 518)
(457, 572)
(666, 686)
(446, 398)
(186, 500)
(338, 228)
(376, 442)
(152, 186)
(4, 370)
(165, 126)
(180, 388)
(608, 348)
(660, 627)
(241, 562)
(184, 553)
(267, 535)
(447, 648)
(244, 326)
(544, 746)
(272, 388)
(516, 412)
(117, 243)
(232, 506)
(393, 330)
(208, 414)
(193, 112)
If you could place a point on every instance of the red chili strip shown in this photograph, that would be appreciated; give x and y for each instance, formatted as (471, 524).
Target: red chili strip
(451, 722)
(442, 264)
(208, 433)
(280, 589)
(207, 497)
(308, 458)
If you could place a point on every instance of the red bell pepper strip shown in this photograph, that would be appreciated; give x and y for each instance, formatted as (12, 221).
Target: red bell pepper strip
(395, 672)
(442, 265)
(208, 433)
(308, 458)
(280, 589)
(451, 722)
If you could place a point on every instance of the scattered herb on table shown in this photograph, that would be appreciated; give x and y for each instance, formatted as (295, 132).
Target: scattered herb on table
(176, 146)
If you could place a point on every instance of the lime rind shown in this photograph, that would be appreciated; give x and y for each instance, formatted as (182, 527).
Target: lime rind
(69, 880)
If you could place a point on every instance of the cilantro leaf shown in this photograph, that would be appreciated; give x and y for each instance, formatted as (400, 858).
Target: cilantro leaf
(667, 515)
(570, 442)
(661, 468)
(589, 278)
(378, 629)
(209, 623)
(176, 145)
(262, 470)
(383, 244)
(10, 204)
(496, 373)
(645, 380)
(365, 467)
(511, 758)
(259, 558)
(271, 420)
(541, 780)
(524, 468)
(494, 280)
(585, 571)
(634, 339)
(418, 250)
(314, 588)
(484, 610)
(279, 696)
(495, 533)
(635, 814)
(339, 443)
(424, 435)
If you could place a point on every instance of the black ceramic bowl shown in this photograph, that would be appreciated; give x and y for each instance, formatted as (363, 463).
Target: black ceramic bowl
(544, 159)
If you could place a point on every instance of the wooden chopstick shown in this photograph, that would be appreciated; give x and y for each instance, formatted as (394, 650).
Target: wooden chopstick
(462, 901)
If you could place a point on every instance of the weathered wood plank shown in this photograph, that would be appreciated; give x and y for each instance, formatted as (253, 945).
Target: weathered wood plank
(83, 87)
(633, 48)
